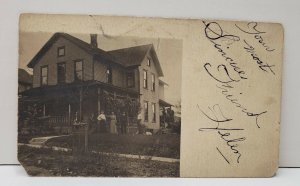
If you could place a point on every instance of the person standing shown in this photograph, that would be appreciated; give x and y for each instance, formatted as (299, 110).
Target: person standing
(102, 122)
(113, 123)
(123, 122)
(92, 123)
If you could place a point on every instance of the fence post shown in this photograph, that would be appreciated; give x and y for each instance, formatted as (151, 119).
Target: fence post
(44, 109)
(86, 138)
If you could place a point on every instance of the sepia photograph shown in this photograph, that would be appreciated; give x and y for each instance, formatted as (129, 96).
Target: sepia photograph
(107, 96)
(99, 105)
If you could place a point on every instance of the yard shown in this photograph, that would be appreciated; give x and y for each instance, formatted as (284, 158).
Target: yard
(166, 145)
(45, 162)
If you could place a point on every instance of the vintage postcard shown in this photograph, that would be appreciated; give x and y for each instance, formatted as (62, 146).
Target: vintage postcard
(113, 96)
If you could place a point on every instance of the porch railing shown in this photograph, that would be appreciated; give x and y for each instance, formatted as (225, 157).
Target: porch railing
(65, 121)
(59, 120)
(61, 124)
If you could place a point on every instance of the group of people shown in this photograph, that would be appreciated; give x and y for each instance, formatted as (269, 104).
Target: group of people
(110, 123)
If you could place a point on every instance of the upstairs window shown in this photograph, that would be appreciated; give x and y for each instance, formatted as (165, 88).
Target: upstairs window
(61, 51)
(79, 70)
(152, 82)
(146, 110)
(145, 79)
(44, 75)
(61, 73)
(130, 79)
(109, 74)
(154, 112)
(148, 62)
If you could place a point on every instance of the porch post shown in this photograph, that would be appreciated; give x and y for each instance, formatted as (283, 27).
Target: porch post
(98, 100)
(127, 117)
(80, 104)
(98, 110)
(69, 114)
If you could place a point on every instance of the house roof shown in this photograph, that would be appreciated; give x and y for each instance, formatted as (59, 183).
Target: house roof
(82, 44)
(134, 56)
(24, 76)
(125, 57)
(131, 56)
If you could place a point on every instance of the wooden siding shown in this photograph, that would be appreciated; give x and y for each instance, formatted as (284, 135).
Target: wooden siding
(148, 94)
(119, 74)
(72, 53)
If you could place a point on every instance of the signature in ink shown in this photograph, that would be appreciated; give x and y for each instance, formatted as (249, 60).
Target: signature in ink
(225, 133)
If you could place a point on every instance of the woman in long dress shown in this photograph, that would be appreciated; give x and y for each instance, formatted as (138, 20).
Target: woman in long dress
(113, 123)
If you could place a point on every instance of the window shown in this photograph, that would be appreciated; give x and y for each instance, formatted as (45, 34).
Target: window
(61, 51)
(109, 74)
(44, 75)
(130, 79)
(78, 70)
(148, 62)
(146, 110)
(145, 82)
(61, 72)
(154, 112)
(152, 82)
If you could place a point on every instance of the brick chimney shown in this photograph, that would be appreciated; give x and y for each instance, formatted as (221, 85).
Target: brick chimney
(94, 43)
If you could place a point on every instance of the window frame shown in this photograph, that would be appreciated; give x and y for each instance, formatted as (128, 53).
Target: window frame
(145, 81)
(65, 72)
(127, 79)
(146, 111)
(153, 106)
(82, 70)
(58, 49)
(148, 61)
(109, 76)
(153, 82)
(41, 75)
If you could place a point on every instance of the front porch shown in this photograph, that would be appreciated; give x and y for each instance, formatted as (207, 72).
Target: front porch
(56, 108)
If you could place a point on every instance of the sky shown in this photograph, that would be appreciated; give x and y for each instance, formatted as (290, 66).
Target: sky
(169, 52)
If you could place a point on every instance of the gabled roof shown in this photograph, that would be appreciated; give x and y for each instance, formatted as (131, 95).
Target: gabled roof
(125, 57)
(133, 56)
(24, 76)
(83, 45)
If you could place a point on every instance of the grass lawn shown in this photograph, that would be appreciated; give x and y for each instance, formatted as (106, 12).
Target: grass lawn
(45, 162)
(165, 145)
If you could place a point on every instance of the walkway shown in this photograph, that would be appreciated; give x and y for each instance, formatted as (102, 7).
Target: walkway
(42, 140)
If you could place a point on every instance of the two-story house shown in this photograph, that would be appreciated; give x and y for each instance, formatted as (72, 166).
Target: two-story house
(73, 79)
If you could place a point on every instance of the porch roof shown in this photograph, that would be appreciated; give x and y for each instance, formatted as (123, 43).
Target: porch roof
(164, 103)
(69, 86)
